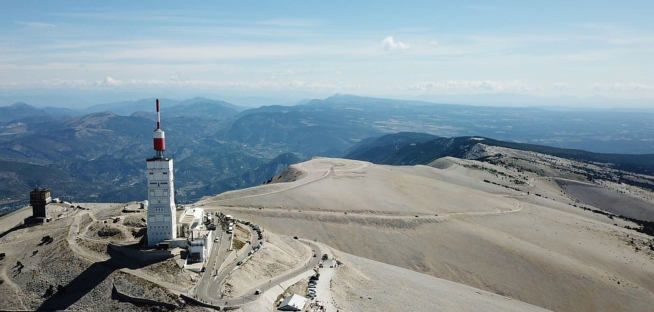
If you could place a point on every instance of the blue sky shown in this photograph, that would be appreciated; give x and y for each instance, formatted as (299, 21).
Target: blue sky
(316, 48)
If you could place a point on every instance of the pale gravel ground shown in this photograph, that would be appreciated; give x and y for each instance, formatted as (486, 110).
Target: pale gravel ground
(279, 254)
(55, 265)
(366, 285)
(354, 185)
(549, 254)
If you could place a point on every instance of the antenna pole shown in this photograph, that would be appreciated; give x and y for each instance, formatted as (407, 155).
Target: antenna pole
(158, 116)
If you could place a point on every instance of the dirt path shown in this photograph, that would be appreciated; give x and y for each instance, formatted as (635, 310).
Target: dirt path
(273, 283)
(8, 281)
(518, 207)
(80, 252)
(303, 183)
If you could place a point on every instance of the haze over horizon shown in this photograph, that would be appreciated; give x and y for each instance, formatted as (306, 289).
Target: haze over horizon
(334, 156)
(590, 54)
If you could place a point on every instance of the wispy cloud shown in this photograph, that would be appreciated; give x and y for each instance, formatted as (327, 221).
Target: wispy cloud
(628, 87)
(108, 81)
(289, 22)
(389, 44)
(113, 83)
(35, 24)
(474, 85)
(480, 7)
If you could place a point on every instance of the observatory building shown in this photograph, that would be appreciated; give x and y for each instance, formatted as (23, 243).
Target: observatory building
(162, 223)
(39, 199)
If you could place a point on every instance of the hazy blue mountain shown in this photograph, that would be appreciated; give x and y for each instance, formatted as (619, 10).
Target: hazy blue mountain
(412, 152)
(171, 108)
(20, 110)
(60, 112)
(201, 100)
(387, 144)
(205, 108)
(129, 107)
(106, 152)
(603, 131)
(266, 109)
(218, 146)
(257, 176)
(309, 131)
(16, 179)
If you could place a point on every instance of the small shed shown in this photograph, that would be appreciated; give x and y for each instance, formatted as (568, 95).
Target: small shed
(292, 303)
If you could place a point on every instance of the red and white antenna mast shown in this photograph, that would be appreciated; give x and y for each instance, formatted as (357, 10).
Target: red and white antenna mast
(159, 135)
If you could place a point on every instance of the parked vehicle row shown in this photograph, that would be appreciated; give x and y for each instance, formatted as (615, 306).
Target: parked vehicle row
(313, 282)
(254, 227)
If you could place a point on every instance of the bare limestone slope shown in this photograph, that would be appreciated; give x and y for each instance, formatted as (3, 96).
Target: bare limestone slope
(363, 285)
(41, 270)
(495, 235)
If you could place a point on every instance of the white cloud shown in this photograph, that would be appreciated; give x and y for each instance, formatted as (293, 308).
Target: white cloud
(35, 24)
(108, 81)
(561, 86)
(289, 73)
(178, 77)
(127, 84)
(621, 87)
(63, 83)
(433, 42)
(389, 44)
(289, 22)
(472, 85)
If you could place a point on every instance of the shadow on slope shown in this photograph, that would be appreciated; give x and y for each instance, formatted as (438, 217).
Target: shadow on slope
(84, 283)
(609, 200)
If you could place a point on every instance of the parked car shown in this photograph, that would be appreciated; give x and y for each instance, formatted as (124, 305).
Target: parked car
(312, 285)
(257, 292)
(239, 263)
(325, 257)
(216, 240)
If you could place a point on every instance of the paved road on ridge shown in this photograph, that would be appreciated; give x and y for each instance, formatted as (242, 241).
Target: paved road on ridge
(209, 288)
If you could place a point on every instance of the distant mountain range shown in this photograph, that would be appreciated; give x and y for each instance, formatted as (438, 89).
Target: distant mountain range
(172, 108)
(421, 149)
(408, 148)
(98, 153)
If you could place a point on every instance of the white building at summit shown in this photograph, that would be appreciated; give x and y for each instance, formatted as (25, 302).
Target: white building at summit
(161, 221)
